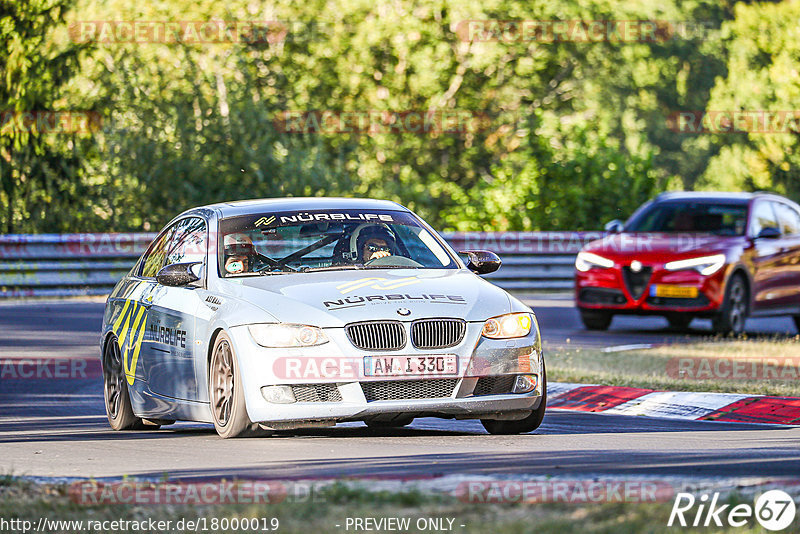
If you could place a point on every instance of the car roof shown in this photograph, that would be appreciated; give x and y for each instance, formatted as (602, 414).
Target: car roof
(713, 196)
(262, 205)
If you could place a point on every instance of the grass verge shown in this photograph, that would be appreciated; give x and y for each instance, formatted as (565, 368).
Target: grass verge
(329, 510)
(735, 366)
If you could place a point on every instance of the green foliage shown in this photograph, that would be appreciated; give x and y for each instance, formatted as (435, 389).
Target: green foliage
(40, 172)
(763, 46)
(575, 133)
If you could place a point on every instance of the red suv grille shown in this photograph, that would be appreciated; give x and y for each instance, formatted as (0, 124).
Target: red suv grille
(636, 282)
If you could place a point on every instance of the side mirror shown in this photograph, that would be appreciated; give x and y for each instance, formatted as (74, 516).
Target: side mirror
(179, 274)
(769, 233)
(482, 261)
(614, 227)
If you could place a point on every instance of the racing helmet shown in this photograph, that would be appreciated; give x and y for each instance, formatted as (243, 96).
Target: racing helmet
(239, 245)
(364, 231)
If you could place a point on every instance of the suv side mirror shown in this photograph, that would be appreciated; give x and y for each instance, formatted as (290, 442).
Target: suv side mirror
(482, 261)
(614, 227)
(769, 233)
(179, 274)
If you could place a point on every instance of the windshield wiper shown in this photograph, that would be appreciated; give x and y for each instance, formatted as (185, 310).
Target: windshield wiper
(345, 267)
(392, 267)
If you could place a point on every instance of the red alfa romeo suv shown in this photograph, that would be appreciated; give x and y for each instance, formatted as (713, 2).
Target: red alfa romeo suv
(724, 256)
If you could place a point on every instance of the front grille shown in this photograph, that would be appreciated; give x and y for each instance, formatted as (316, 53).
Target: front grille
(436, 388)
(494, 385)
(437, 333)
(377, 335)
(316, 393)
(636, 282)
(601, 295)
(697, 302)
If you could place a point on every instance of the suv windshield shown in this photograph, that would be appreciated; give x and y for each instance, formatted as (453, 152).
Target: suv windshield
(293, 241)
(699, 217)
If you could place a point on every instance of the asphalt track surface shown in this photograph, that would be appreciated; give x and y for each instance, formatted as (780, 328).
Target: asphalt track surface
(57, 428)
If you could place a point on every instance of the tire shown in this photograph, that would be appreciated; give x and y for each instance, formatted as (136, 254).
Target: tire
(115, 391)
(397, 423)
(226, 393)
(733, 314)
(521, 426)
(797, 322)
(596, 319)
(679, 321)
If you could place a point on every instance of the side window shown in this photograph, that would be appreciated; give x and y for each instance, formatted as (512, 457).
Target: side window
(154, 260)
(762, 217)
(788, 218)
(188, 244)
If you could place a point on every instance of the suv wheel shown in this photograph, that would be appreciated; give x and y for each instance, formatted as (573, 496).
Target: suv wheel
(596, 319)
(679, 321)
(731, 317)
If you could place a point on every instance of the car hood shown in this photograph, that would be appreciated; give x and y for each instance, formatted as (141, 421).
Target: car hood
(659, 247)
(335, 298)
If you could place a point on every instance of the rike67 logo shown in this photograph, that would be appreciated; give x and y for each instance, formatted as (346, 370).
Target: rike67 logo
(774, 510)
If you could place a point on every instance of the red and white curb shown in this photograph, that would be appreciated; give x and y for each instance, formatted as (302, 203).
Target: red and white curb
(729, 407)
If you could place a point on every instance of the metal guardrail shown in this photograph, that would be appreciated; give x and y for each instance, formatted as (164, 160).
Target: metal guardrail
(50, 265)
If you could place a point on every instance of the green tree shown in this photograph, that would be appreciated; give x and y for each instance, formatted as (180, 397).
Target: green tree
(763, 75)
(40, 172)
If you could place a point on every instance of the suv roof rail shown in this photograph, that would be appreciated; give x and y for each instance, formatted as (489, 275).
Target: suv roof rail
(665, 194)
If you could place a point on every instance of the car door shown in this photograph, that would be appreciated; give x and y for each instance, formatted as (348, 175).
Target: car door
(789, 263)
(171, 329)
(766, 257)
(133, 324)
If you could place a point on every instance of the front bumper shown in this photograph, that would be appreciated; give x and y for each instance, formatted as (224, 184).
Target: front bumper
(611, 289)
(349, 395)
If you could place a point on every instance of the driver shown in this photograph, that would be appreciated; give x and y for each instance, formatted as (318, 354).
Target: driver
(240, 254)
(371, 242)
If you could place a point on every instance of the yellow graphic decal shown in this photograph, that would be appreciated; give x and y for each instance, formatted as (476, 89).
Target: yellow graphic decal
(265, 221)
(130, 336)
(377, 283)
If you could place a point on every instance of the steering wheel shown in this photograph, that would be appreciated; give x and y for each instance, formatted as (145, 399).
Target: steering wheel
(394, 261)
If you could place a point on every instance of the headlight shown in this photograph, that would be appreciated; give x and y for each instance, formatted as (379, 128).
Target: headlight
(587, 260)
(508, 326)
(287, 335)
(705, 265)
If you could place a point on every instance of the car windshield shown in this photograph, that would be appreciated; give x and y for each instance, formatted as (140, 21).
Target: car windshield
(693, 217)
(292, 241)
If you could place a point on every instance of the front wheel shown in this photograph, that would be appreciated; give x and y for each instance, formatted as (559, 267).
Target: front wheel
(596, 319)
(731, 317)
(226, 392)
(520, 426)
(115, 391)
(679, 321)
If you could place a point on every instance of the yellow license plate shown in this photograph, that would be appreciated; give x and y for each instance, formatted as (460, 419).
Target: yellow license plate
(675, 292)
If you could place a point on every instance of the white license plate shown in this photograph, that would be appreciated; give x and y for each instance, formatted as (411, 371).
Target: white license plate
(438, 364)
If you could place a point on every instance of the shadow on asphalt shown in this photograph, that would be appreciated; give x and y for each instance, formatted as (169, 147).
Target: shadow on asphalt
(728, 463)
(94, 427)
